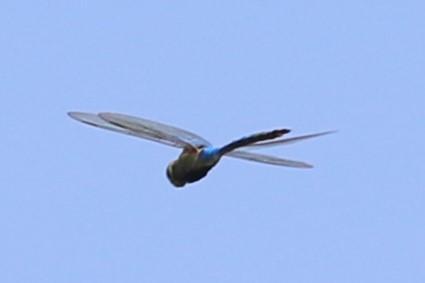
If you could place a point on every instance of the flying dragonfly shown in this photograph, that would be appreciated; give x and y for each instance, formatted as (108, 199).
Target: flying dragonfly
(198, 156)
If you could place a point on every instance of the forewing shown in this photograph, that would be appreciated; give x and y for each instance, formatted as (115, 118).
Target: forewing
(288, 140)
(155, 130)
(94, 120)
(97, 121)
(268, 159)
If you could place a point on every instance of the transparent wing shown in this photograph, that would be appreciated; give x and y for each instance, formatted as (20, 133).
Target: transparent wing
(94, 120)
(141, 128)
(288, 140)
(267, 159)
(272, 159)
(154, 129)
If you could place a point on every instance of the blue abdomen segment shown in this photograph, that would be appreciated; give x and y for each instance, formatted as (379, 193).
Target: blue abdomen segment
(210, 153)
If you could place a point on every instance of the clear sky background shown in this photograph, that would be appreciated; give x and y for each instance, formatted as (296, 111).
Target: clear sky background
(78, 204)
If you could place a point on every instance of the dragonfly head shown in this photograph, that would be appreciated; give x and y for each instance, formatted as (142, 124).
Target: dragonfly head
(170, 175)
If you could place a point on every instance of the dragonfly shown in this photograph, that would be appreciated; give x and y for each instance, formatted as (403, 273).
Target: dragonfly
(198, 155)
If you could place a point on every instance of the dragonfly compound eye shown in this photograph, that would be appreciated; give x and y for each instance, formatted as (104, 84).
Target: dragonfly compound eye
(172, 178)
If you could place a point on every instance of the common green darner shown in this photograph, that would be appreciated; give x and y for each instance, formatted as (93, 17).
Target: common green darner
(198, 156)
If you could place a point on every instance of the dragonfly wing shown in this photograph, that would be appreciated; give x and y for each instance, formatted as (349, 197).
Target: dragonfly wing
(268, 159)
(155, 130)
(94, 120)
(97, 121)
(288, 140)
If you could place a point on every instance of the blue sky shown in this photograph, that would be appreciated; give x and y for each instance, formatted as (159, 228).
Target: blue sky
(83, 205)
